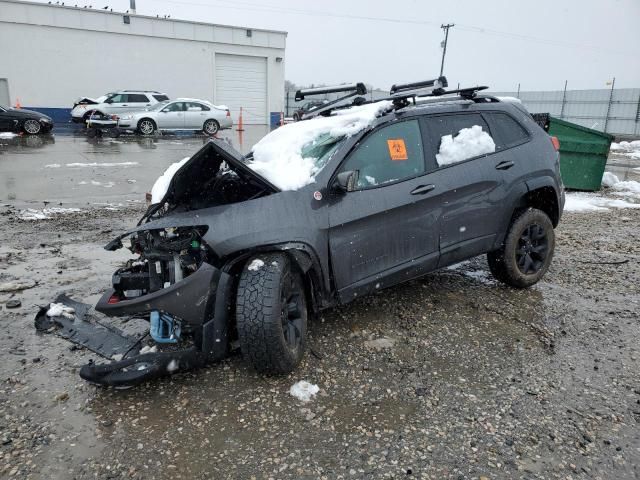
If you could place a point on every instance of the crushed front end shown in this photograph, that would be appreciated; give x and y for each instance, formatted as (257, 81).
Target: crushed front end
(174, 284)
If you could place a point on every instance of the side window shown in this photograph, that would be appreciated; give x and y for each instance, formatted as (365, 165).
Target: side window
(174, 107)
(507, 132)
(119, 98)
(456, 138)
(138, 98)
(199, 107)
(387, 155)
(161, 98)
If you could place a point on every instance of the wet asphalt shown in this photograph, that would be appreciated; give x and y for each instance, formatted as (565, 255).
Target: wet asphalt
(473, 380)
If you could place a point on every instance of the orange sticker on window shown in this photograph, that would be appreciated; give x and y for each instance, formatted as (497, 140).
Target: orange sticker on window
(397, 149)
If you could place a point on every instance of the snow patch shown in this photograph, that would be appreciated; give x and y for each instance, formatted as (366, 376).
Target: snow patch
(173, 366)
(278, 156)
(60, 310)
(8, 135)
(148, 349)
(609, 179)
(509, 99)
(52, 165)
(255, 265)
(591, 202)
(468, 143)
(117, 357)
(159, 189)
(17, 285)
(304, 390)
(45, 213)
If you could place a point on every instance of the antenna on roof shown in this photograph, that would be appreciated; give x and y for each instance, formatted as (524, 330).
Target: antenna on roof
(351, 91)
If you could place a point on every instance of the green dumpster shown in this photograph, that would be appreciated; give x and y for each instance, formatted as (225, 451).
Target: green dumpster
(583, 152)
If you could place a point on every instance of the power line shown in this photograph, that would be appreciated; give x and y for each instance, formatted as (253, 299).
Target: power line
(239, 5)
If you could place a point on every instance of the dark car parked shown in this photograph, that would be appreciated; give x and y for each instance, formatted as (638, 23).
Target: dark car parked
(21, 120)
(306, 108)
(227, 255)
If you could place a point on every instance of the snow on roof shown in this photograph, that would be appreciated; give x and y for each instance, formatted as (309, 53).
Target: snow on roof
(277, 157)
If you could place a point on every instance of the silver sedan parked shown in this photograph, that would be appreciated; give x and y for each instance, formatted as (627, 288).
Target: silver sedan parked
(179, 114)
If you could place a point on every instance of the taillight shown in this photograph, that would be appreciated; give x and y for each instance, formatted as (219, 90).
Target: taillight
(556, 143)
(228, 113)
(113, 299)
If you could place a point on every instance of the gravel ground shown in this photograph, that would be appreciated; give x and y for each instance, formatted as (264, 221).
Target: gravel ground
(449, 376)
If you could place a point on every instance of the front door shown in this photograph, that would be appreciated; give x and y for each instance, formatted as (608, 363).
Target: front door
(385, 231)
(172, 116)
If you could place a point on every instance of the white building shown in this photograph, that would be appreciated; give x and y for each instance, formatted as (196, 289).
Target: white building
(50, 55)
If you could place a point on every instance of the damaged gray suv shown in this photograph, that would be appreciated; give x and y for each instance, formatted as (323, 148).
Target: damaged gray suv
(324, 211)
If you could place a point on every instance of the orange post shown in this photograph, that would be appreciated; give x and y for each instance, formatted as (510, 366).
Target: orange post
(240, 127)
(18, 105)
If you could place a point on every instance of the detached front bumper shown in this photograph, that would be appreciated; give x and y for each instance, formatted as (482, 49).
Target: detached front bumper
(193, 299)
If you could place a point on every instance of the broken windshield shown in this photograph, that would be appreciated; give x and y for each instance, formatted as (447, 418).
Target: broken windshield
(321, 149)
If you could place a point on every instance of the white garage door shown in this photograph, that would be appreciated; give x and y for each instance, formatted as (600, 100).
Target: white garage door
(241, 81)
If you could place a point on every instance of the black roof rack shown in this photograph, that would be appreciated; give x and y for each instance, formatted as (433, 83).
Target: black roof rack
(351, 91)
(435, 85)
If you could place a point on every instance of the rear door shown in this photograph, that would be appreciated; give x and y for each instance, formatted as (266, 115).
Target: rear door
(137, 101)
(469, 184)
(196, 115)
(385, 231)
(172, 116)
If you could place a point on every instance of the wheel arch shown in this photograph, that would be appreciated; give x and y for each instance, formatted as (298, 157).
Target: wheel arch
(300, 254)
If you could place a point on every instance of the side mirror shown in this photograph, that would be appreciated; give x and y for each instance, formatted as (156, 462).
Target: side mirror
(108, 100)
(345, 181)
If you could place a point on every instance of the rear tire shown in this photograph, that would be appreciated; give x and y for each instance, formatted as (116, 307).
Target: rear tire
(527, 251)
(211, 127)
(271, 314)
(146, 126)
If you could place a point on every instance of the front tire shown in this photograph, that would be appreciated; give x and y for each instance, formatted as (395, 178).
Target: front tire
(527, 251)
(146, 126)
(271, 314)
(32, 127)
(211, 127)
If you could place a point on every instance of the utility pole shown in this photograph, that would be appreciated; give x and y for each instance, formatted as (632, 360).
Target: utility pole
(132, 6)
(444, 44)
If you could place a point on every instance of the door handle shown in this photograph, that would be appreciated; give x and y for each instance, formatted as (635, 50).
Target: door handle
(507, 164)
(422, 189)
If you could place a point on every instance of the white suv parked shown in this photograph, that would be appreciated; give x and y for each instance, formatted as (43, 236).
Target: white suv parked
(115, 103)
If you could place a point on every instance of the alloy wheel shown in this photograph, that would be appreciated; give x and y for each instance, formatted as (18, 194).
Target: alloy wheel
(533, 246)
(32, 127)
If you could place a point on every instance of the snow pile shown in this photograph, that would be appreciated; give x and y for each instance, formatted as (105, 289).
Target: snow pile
(255, 265)
(591, 202)
(629, 149)
(304, 390)
(60, 310)
(609, 179)
(278, 156)
(16, 285)
(468, 143)
(159, 189)
(45, 213)
(8, 135)
(148, 349)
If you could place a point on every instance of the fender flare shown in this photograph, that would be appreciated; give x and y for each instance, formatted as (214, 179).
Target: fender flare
(307, 260)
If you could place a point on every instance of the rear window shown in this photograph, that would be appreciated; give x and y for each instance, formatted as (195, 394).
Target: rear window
(161, 98)
(138, 98)
(507, 132)
(439, 127)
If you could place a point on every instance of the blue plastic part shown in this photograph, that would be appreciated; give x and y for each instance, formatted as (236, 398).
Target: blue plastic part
(164, 329)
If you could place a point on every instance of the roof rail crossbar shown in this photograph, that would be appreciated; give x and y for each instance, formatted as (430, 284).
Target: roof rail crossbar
(435, 85)
(351, 90)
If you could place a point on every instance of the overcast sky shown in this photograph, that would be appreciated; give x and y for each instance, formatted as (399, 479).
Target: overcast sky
(500, 43)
